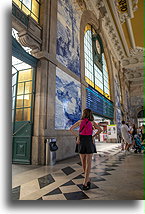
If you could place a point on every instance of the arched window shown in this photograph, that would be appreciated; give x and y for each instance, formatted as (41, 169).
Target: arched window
(96, 73)
(29, 7)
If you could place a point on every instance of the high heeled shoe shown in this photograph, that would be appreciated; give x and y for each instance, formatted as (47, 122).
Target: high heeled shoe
(86, 187)
(89, 184)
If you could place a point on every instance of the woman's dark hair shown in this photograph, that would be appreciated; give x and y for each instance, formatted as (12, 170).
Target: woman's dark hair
(134, 130)
(133, 126)
(87, 113)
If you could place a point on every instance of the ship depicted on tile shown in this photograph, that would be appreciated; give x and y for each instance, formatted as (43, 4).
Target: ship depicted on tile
(68, 30)
(68, 100)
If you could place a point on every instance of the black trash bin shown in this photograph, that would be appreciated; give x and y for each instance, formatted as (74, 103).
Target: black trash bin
(50, 154)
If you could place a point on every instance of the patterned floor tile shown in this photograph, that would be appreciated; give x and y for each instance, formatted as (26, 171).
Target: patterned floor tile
(16, 193)
(108, 169)
(68, 170)
(103, 173)
(59, 197)
(97, 179)
(79, 177)
(45, 180)
(79, 163)
(68, 179)
(29, 188)
(67, 189)
(92, 174)
(54, 192)
(93, 186)
(76, 195)
(78, 181)
(113, 165)
(68, 183)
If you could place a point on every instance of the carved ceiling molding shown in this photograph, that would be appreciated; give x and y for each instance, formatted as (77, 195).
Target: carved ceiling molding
(136, 74)
(137, 51)
(110, 29)
(29, 37)
(80, 5)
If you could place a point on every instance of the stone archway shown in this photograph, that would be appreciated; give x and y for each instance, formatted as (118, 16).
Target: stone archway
(134, 114)
(139, 108)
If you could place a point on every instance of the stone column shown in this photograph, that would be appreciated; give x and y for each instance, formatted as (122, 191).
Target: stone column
(40, 113)
(45, 81)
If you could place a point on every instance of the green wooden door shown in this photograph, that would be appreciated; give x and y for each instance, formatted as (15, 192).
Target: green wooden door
(23, 88)
(22, 142)
(22, 110)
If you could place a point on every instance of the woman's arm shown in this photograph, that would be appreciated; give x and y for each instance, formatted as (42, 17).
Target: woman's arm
(75, 126)
(97, 127)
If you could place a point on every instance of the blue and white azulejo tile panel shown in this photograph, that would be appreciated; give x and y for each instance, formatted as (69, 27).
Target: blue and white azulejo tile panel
(68, 30)
(68, 100)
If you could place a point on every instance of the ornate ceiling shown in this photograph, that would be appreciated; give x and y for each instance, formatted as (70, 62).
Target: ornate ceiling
(123, 22)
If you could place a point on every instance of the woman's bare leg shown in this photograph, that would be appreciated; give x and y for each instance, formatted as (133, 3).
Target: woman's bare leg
(83, 161)
(88, 168)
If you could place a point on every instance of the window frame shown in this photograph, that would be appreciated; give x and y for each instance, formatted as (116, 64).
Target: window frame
(100, 63)
(31, 13)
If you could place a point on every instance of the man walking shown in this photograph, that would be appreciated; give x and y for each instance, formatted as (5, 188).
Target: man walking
(125, 135)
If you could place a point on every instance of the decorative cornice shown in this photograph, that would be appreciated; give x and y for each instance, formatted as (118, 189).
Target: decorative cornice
(80, 5)
(134, 5)
(131, 7)
(137, 51)
(29, 36)
(111, 31)
(28, 41)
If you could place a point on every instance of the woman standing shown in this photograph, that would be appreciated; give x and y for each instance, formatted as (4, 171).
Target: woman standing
(85, 142)
(133, 132)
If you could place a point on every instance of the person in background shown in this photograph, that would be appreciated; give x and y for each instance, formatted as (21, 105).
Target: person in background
(143, 133)
(125, 132)
(133, 132)
(86, 146)
(139, 132)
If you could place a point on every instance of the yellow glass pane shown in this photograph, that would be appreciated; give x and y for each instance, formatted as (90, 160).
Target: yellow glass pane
(34, 17)
(17, 2)
(27, 114)
(27, 100)
(89, 81)
(107, 95)
(25, 10)
(35, 7)
(88, 27)
(28, 87)
(20, 89)
(99, 89)
(19, 114)
(19, 102)
(25, 75)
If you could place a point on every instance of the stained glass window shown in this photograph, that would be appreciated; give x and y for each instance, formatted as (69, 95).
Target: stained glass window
(96, 73)
(29, 7)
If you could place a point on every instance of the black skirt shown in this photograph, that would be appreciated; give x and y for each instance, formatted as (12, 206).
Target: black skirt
(86, 145)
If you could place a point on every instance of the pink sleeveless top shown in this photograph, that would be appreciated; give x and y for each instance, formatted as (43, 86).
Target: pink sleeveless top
(88, 130)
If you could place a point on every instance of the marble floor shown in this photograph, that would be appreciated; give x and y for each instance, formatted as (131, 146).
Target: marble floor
(114, 176)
